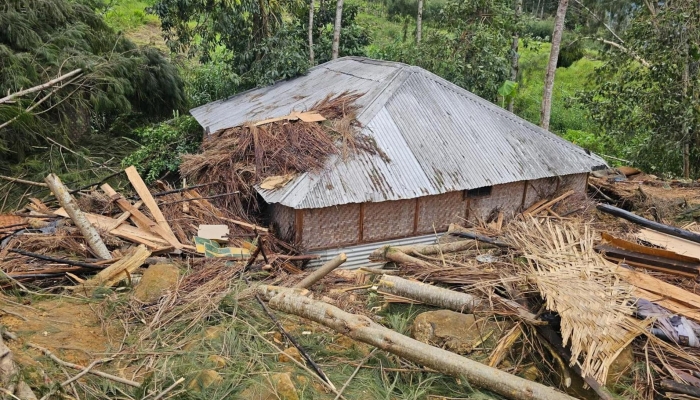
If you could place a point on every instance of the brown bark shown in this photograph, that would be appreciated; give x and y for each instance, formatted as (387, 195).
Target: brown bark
(546, 109)
(311, 32)
(336, 29)
(325, 269)
(363, 329)
(515, 56)
(419, 22)
(68, 203)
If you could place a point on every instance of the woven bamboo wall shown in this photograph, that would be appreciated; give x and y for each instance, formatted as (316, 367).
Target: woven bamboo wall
(388, 220)
(540, 189)
(282, 219)
(506, 198)
(436, 213)
(576, 182)
(331, 227)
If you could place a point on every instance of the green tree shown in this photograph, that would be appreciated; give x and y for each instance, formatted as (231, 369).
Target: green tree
(471, 48)
(115, 84)
(648, 93)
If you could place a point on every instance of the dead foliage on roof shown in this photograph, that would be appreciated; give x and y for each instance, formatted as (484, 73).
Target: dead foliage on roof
(243, 156)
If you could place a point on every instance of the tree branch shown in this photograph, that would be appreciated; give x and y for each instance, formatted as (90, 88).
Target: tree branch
(41, 87)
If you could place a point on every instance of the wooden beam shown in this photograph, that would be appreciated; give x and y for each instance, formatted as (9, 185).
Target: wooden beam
(139, 218)
(148, 200)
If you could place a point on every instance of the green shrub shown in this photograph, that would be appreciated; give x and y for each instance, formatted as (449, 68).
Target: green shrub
(162, 145)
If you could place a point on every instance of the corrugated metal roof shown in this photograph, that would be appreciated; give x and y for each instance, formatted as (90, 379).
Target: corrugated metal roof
(438, 136)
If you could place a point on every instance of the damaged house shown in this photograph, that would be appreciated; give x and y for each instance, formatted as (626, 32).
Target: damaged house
(446, 155)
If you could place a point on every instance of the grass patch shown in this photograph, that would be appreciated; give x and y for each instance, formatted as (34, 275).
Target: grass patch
(128, 15)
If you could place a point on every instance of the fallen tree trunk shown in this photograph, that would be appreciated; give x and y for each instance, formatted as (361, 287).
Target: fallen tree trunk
(60, 191)
(394, 255)
(321, 272)
(446, 298)
(428, 294)
(365, 330)
(673, 231)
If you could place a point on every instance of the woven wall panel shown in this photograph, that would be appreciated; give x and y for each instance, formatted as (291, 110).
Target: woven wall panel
(506, 198)
(331, 227)
(388, 220)
(540, 189)
(282, 219)
(575, 182)
(436, 213)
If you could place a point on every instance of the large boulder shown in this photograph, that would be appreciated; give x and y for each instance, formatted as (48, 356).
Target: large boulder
(459, 333)
(156, 281)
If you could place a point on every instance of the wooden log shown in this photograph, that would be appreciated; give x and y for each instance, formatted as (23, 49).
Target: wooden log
(363, 329)
(431, 249)
(673, 231)
(399, 257)
(446, 298)
(325, 269)
(676, 387)
(71, 206)
(429, 294)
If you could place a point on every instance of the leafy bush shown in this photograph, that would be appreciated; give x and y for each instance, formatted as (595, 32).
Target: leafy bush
(162, 145)
(214, 80)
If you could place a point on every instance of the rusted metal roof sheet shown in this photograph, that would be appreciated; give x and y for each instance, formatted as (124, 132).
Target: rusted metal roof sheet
(438, 137)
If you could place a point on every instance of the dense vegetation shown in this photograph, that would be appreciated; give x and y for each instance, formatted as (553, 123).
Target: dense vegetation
(627, 84)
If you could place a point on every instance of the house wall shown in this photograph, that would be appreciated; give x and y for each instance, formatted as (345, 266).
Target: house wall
(506, 198)
(353, 224)
(330, 226)
(388, 220)
(436, 213)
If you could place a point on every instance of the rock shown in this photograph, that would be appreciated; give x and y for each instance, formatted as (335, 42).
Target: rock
(218, 361)
(459, 333)
(282, 389)
(205, 379)
(289, 353)
(157, 279)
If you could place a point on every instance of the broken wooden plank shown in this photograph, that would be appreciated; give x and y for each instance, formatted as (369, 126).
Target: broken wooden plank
(67, 201)
(124, 231)
(624, 244)
(148, 200)
(310, 116)
(671, 243)
(120, 270)
(139, 218)
(551, 203)
(659, 287)
(673, 231)
(669, 304)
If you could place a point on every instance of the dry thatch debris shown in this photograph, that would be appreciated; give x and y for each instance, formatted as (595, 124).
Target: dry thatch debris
(596, 307)
(243, 156)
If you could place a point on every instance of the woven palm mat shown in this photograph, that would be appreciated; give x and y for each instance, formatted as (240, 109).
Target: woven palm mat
(595, 305)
